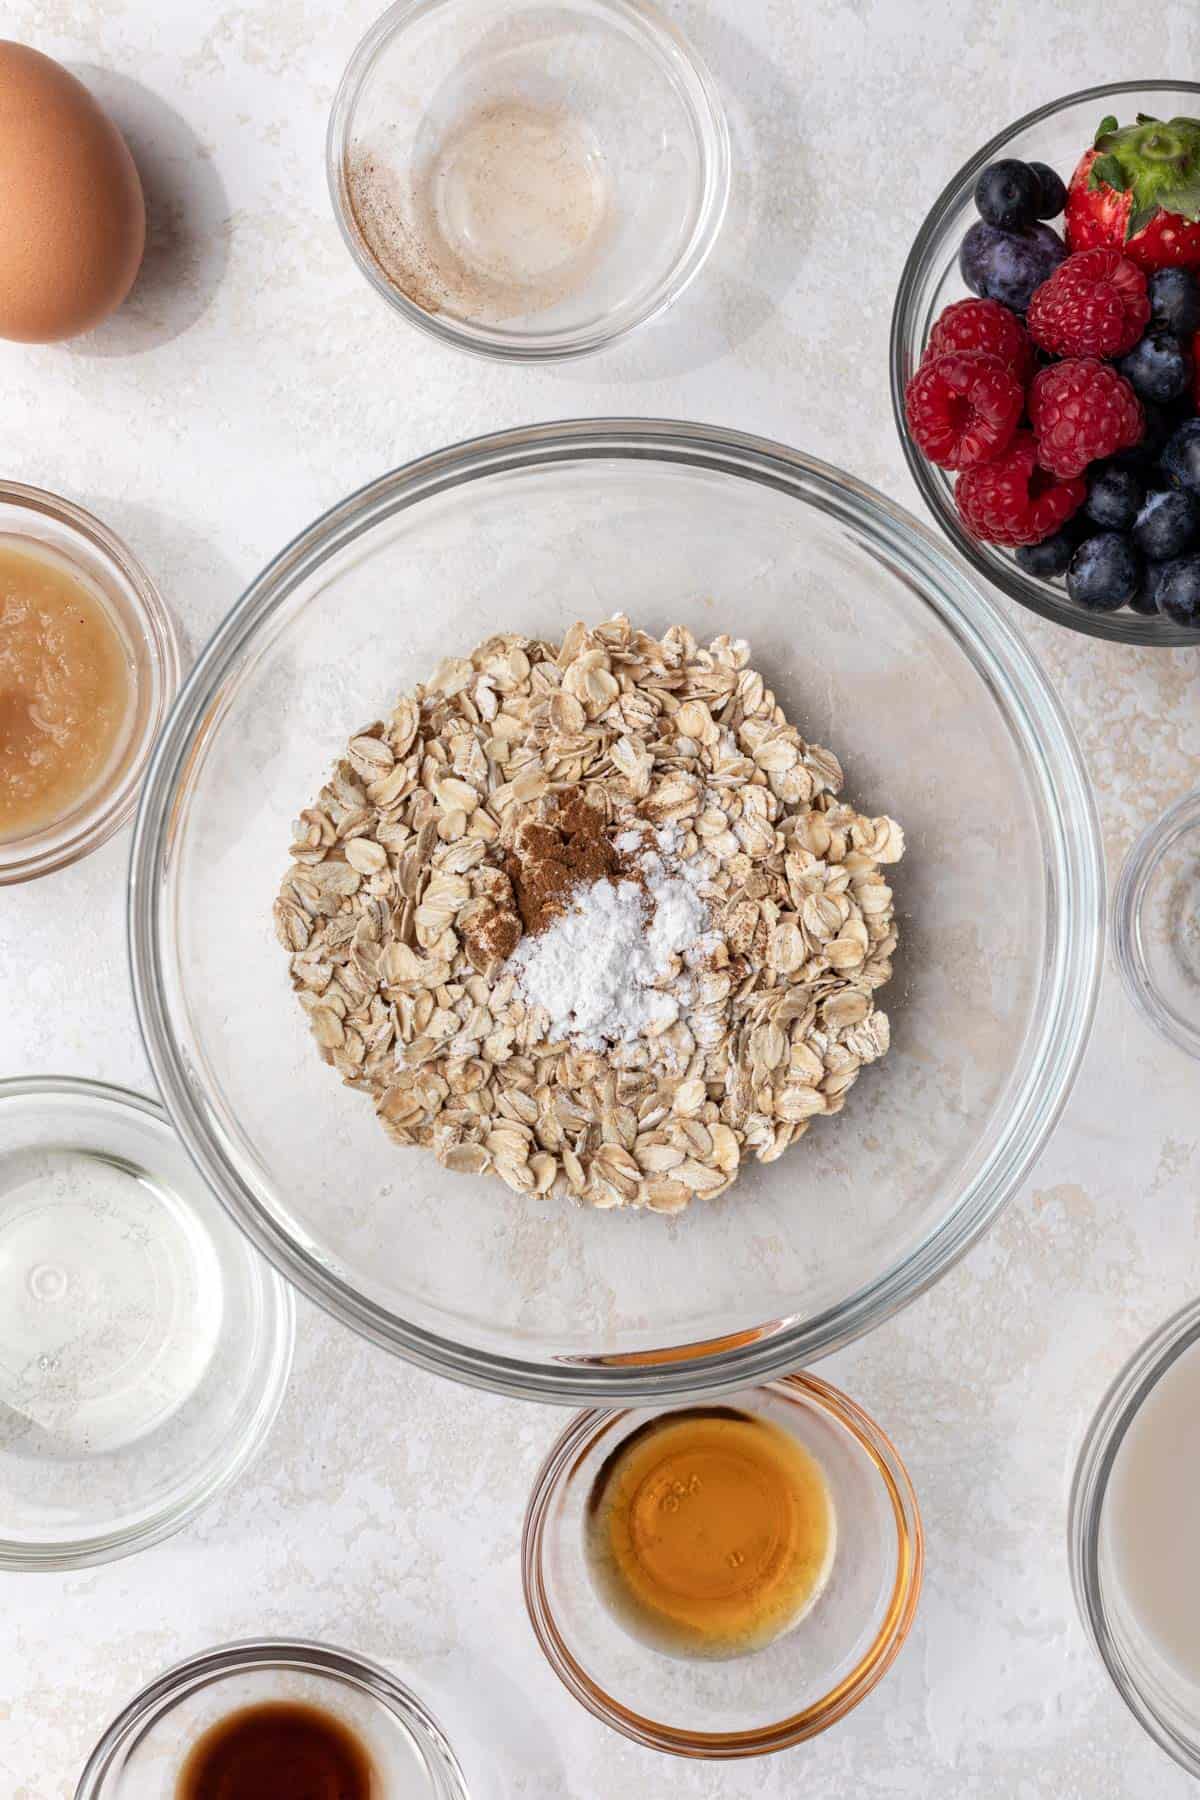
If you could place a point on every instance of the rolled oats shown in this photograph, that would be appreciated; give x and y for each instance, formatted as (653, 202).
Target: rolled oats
(398, 917)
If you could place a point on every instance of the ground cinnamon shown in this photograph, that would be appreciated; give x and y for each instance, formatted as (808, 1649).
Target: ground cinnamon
(551, 857)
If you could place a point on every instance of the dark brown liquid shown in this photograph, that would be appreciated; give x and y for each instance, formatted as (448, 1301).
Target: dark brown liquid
(279, 1751)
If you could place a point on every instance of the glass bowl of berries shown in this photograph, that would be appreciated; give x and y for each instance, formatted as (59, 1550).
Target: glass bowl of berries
(1045, 361)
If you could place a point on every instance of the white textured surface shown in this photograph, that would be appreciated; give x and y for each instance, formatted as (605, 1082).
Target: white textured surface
(256, 380)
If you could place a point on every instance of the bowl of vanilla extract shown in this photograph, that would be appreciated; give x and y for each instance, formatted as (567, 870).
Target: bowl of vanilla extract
(272, 1718)
(726, 1580)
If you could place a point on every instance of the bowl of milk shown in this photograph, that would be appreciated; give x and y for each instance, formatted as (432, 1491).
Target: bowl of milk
(1134, 1537)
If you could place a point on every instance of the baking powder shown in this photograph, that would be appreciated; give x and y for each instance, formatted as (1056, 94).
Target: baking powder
(605, 970)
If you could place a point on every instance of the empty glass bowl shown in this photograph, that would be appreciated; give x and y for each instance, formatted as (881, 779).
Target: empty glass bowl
(527, 180)
(143, 1751)
(1057, 134)
(144, 1346)
(877, 642)
(129, 597)
(1156, 924)
(798, 1685)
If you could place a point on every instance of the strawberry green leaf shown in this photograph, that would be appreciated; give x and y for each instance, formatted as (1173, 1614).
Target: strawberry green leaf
(1183, 199)
(1146, 119)
(1107, 124)
(1139, 217)
(1108, 170)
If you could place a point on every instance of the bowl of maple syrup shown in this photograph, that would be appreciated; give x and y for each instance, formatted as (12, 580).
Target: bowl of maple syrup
(724, 1581)
(274, 1717)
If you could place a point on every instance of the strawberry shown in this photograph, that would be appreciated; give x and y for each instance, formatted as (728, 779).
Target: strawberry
(1138, 191)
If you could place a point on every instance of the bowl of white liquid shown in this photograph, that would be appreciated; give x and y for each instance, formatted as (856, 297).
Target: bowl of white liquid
(1134, 1542)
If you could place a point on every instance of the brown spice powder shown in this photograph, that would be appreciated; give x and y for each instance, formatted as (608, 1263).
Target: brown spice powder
(554, 856)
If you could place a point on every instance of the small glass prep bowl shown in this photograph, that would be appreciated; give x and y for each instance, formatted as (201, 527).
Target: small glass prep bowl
(875, 641)
(144, 1346)
(1156, 924)
(528, 179)
(142, 1753)
(811, 1675)
(1057, 134)
(112, 572)
(1151, 1686)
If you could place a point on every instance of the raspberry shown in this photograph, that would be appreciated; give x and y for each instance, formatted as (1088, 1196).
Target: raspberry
(1080, 411)
(1094, 304)
(962, 408)
(1012, 501)
(983, 325)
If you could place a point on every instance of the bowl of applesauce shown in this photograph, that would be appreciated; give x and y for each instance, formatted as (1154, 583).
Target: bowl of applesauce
(88, 667)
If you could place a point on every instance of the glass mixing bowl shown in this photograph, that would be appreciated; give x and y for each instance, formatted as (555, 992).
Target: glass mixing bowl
(877, 642)
(1057, 134)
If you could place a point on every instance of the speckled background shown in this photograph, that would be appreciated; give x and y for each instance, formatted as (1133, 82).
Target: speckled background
(253, 381)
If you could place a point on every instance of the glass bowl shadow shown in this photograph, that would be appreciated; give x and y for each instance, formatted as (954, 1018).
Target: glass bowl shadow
(875, 641)
(1056, 134)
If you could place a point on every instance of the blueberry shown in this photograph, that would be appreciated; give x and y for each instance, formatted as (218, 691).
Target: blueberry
(1167, 524)
(1008, 265)
(1008, 194)
(1114, 496)
(1146, 599)
(1160, 423)
(1051, 556)
(1181, 458)
(1053, 192)
(1174, 302)
(1178, 591)
(1158, 368)
(1105, 572)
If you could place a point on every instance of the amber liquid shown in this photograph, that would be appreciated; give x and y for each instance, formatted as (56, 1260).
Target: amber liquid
(710, 1532)
(66, 690)
(279, 1751)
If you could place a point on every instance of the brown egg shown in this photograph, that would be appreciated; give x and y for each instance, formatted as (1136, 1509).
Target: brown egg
(72, 216)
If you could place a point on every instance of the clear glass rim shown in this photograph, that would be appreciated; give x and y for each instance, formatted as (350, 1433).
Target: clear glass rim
(573, 1445)
(1093, 1469)
(493, 342)
(1038, 597)
(57, 845)
(1129, 948)
(26, 1558)
(1075, 924)
(359, 1672)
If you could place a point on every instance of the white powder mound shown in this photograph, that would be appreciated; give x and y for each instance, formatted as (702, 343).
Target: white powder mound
(595, 968)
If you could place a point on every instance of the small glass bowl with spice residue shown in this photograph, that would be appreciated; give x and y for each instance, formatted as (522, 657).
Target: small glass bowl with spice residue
(528, 181)
(391, 1743)
(765, 1689)
(1156, 924)
(67, 541)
